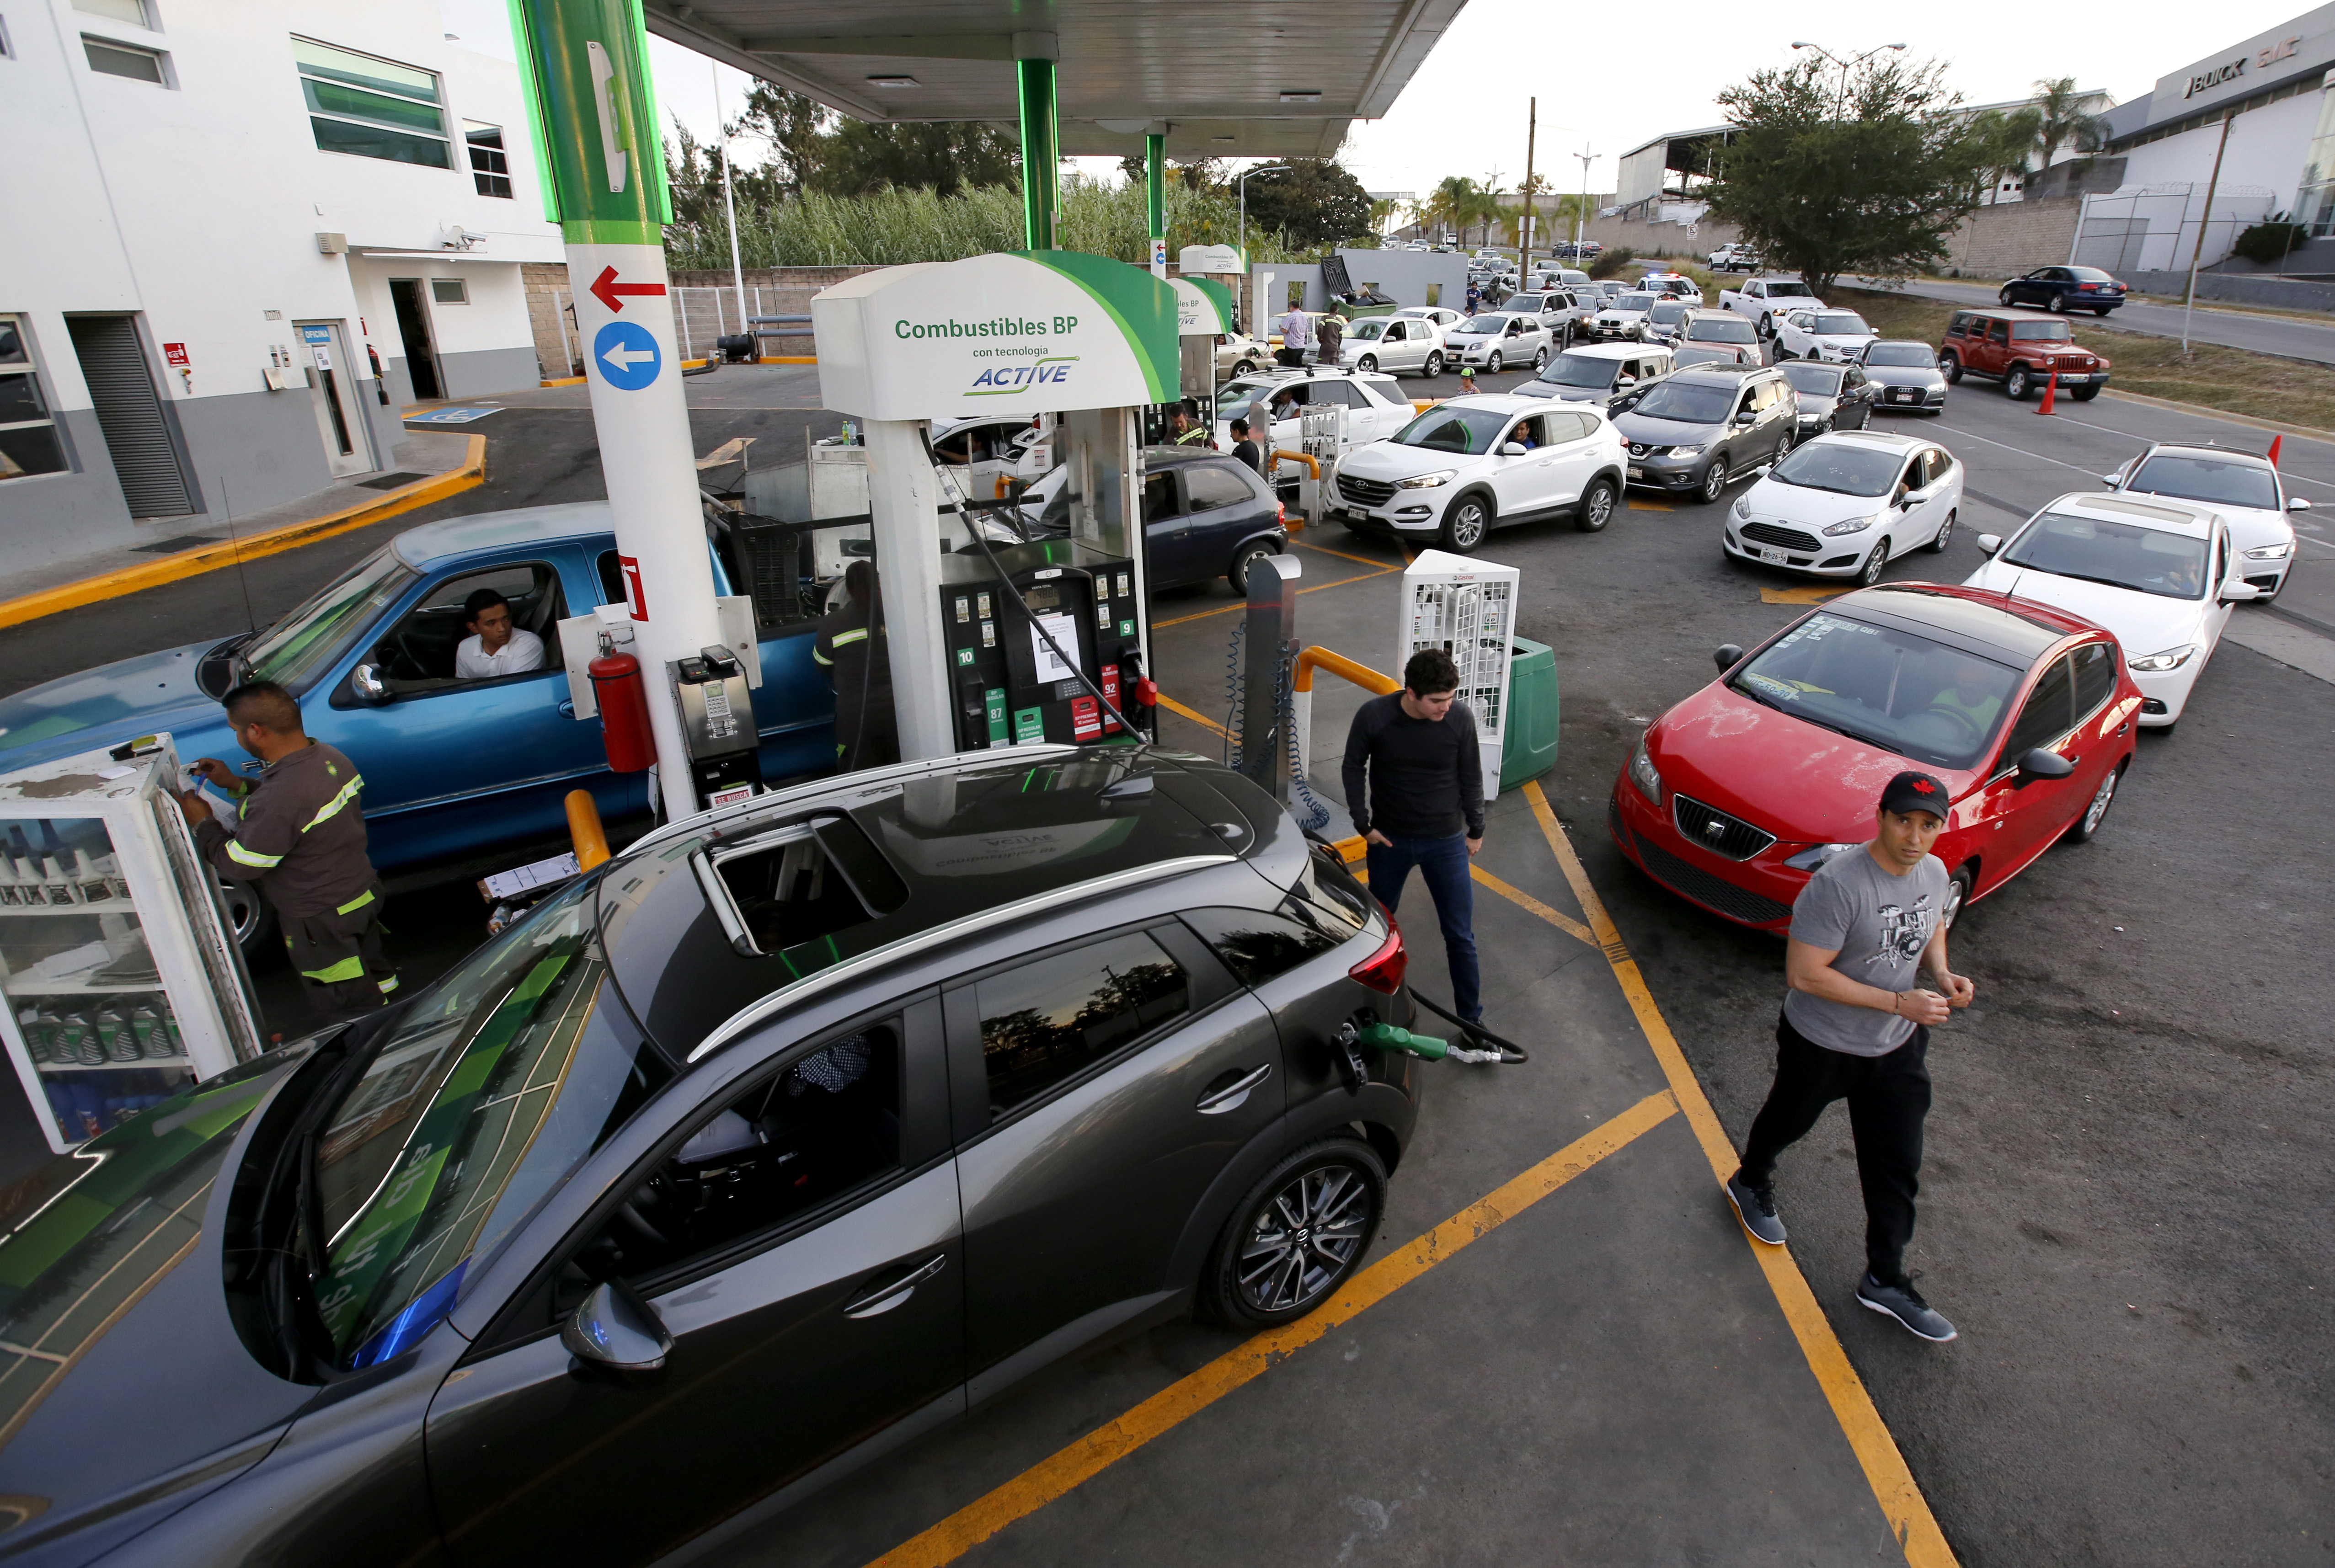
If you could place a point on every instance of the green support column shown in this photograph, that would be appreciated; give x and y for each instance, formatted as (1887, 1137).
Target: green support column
(1041, 154)
(1155, 167)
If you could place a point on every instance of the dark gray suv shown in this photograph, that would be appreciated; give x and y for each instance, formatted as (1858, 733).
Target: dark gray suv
(796, 1130)
(1705, 425)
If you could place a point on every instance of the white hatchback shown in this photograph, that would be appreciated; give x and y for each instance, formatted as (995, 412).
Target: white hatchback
(2159, 573)
(1391, 343)
(1847, 503)
(1468, 465)
(1374, 404)
(1499, 340)
(2246, 490)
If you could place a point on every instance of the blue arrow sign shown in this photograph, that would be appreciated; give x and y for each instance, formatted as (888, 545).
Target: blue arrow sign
(627, 355)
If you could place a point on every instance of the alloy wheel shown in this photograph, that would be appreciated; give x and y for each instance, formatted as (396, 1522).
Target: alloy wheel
(1714, 480)
(1245, 367)
(1492, 363)
(1958, 888)
(1303, 1240)
(1540, 360)
(1596, 507)
(1435, 362)
(1468, 524)
(2014, 385)
(2099, 809)
(1874, 564)
(1369, 362)
(2003, 298)
(1945, 536)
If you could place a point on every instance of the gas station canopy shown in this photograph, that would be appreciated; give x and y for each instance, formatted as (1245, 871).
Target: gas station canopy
(1229, 78)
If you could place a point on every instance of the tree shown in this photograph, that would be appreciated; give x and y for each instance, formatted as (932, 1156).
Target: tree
(1316, 203)
(814, 149)
(2060, 119)
(1871, 178)
(793, 125)
(2004, 143)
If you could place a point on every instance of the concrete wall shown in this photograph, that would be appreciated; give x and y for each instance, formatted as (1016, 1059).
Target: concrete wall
(1695, 241)
(2010, 238)
(258, 449)
(1405, 277)
(2239, 289)
(483, 372)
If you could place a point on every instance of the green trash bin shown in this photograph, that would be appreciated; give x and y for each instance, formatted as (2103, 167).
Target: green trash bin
(1529, 749)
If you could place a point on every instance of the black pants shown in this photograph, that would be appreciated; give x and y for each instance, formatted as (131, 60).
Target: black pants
(1888, 1098)
(340, 958)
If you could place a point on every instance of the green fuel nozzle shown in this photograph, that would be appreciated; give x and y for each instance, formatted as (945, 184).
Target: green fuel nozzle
(1426, 1047)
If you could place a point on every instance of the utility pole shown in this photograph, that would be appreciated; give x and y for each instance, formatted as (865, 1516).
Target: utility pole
(1581, 213)
(730, 203)
(1524, 251)
(2189, 305)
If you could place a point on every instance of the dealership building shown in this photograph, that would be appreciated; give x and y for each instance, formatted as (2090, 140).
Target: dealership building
(254, 230)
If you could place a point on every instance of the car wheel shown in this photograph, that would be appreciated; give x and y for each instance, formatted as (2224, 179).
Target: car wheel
(1596, 507)
(249, 917)
(1369, 362)
(1714, 480)
(2003, 298)
(2057, 301)
(2088, 826)
(1467, 523)
(1492, 363)
(2016, 384)
(1874, 563)
(1540, 360)
(1950, 368)
(1958, 892)
(1297, 1237)
(2100, 310)
(1945, 536)
(1783, 449)
(1250, 554)
(1435, 362)
(1245, 367)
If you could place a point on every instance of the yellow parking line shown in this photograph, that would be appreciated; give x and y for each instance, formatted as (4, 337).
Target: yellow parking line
(1114, 1440)
(1893, 1488)
(1173, 706)
(1800, 596)
(1228, 609)
(1523, 900)
(1324, 549)
(1636, 506)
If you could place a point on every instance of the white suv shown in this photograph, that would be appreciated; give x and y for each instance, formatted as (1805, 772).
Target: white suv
(1471, 464)
(1500, 339)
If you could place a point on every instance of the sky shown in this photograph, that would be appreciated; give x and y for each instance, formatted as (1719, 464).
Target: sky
(1465, 110)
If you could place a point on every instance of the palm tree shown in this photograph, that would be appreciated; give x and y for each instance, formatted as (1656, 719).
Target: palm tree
(1452, 203)
(2060, 119)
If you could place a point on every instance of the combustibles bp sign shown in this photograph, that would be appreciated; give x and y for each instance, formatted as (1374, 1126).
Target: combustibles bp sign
(1034, 331)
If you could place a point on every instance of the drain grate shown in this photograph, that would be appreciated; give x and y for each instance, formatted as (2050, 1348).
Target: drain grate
(390, 482)
(172, 547)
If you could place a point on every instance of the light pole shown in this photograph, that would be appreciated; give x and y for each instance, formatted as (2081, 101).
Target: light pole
(1581, 212)
(1243, 183)
(730, 205)
(1840, 105)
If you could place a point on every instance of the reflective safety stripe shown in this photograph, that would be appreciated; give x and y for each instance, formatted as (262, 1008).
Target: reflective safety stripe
(350, 968)
(818, 658)
(857, 634)
(389, 985)
(353, 904)
(242, 856)
(331, 808)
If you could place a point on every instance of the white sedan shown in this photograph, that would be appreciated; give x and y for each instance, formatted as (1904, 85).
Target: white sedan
(1497, 340)
(1834, 334)
(1847, 504)
(1374, 404)
(2157, 573)
(1390, 342)
(2245, 489)
(1673, 285)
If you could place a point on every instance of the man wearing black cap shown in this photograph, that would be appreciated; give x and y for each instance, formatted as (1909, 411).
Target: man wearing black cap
(1857, 1028)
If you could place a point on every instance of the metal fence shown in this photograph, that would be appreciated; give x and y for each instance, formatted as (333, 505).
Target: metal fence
(2156, 228)
(701, 314)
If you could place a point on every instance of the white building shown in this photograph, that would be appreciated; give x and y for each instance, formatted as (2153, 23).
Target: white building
(2012, 186)
(227, 219)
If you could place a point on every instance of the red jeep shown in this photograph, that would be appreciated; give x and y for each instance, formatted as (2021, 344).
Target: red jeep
(2022, 349)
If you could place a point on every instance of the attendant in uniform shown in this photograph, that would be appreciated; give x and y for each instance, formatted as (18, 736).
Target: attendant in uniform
(299, 833)
(851, 649)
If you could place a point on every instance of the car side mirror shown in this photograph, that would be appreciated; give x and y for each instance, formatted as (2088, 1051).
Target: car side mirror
(366, 685)
(613, 1330)
(2112, 480)
(1988, 543)
(2043, 763)
(2298, 505)
(2235, 592)
(1511, 449)
(1727, 656)
(1746, 417)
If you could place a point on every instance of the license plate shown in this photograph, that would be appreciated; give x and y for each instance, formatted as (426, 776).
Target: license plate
(1900, 395)
(1637, 473)
(1773, 558)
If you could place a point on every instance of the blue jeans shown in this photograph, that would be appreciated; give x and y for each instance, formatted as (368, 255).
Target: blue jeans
(1443, 862)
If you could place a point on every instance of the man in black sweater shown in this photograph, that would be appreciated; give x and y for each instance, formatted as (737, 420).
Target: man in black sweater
(1414, 780)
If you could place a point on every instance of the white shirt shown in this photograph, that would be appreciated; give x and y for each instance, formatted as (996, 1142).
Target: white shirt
(523, 652)
(1296, 330)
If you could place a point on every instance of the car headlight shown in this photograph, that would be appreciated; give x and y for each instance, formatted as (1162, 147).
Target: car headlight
(1690, 451)
(1816, 854)
(1428, 481)
(2269, 553)
(1853, 526)
(1642, 774)
(2171, 659)
(1743, 510)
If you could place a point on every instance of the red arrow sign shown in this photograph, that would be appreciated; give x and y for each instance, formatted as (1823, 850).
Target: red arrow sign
(607, 290)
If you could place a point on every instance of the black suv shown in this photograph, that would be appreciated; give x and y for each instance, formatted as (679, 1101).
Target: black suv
(1699, 427)
(794, 1131)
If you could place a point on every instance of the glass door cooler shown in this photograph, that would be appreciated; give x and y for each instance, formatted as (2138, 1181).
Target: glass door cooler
(119, 973)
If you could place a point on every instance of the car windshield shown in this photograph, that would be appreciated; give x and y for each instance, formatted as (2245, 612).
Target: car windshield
(2040, 331)
(294, 648)
(1788, 290)
(1234, 402)
(1365, 331)
(505, 1073)
(2119, 553)
(2207, 479)
(1884, 686)
(1840, 467)
(1634, 301)
(1817, 380)
(1840, 323)
(1689, 402)
(1721, 329)
(1481, 324)
(1448, 429)
(1579, 370)
(1665, 311)
(1902, 353)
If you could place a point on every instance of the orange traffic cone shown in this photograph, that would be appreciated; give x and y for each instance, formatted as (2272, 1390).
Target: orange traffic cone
(2274, 441)
(2051, 389)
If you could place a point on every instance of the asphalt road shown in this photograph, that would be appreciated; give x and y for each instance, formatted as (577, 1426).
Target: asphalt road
(2285, 335)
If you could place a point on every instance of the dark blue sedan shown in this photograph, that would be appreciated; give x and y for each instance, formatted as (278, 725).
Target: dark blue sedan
(2066, 288)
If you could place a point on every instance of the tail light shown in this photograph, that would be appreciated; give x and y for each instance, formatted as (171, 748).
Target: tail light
(1280, 514)
(1382, 971)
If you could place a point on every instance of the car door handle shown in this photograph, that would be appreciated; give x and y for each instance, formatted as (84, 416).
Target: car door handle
(1221, 1097)
(895, 1291)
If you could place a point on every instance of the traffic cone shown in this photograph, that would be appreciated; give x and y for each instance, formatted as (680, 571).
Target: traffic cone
(2050, 389)
(2274, 441)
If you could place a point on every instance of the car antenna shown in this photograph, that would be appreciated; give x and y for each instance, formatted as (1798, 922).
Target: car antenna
(250, 618)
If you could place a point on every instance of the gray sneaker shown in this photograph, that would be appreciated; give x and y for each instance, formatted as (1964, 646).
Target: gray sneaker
(1756, 1207)
(1905, 1303)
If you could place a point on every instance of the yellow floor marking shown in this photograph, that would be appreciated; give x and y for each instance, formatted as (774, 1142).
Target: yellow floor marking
(1800, 596)
(1651, 507)
(1243, 604)
(1107, 1445)
(1324, 549)
(1173, 706)
(1523, 900)
(1893, 1488)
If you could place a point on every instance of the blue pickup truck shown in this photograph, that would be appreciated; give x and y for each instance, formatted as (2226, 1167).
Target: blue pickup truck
(452, 768)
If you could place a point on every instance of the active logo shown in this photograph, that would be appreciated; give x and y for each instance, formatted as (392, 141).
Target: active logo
(998, 381)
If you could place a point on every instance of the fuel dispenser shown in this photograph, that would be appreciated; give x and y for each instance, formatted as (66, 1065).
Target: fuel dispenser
(1015, 657)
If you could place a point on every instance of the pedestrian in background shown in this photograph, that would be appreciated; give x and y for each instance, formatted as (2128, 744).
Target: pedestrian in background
(1296, 338)
(1246, 449)
(1414, 778)
(1329, 338)
(1856, 1027)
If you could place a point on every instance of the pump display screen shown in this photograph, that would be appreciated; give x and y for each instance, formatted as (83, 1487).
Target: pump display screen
(1043, 596)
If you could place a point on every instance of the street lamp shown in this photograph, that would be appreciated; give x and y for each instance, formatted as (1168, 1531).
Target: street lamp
(1581, 213)
(1243, 183)
(1840, 105)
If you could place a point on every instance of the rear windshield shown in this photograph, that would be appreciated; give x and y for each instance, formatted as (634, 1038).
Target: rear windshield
(2207, 479)
(2118, 554)
(1901, 353)
(1721, 329)
(1887, 687)
(2090, 275)
(2040, 331)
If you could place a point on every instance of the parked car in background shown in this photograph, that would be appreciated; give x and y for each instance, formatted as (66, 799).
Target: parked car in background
(1391, 342)
(1665, 318)
(2066, 288)
(1703, 426)
(1375, 406)
(1238, 354)
(1609, 373)
(1610, 289)
(1468, 465)
(1497, 340)
(2020, 349)
(1673, 285)
(1733, 258)
(1847, 504)
(1759, 298)
(1736, 796)
(2246, 491)
(1834, 334)
(1715, 337)
(1832, 397)
(1623, 317)
(1562, 312)
(1904, 375)
(2159, 574)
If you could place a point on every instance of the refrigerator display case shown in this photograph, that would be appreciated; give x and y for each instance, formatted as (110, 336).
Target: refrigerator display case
(121, 975)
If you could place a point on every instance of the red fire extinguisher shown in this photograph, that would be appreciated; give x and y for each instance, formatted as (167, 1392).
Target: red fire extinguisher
(624, 705)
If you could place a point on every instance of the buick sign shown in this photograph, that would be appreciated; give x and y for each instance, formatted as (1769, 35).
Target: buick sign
(2205, 81)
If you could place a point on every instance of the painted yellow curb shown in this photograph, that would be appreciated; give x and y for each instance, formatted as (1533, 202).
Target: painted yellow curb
(230, 552)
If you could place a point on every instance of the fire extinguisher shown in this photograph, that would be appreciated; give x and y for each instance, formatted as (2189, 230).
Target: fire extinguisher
(624, 704)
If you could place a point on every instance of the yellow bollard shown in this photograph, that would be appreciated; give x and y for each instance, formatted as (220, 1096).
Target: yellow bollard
(584, 828)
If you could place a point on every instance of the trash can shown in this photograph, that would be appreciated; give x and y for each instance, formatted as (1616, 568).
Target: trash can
(1529, 749)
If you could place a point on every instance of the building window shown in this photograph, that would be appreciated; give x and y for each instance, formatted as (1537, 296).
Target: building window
(370, 107)
(28, 431)
(2314, 204)
(134, 12)
(449, 291)
(489, 162)
(124, 60)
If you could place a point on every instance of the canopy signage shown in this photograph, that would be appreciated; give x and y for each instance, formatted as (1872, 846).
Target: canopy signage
(1204, 307)
(1028, 332)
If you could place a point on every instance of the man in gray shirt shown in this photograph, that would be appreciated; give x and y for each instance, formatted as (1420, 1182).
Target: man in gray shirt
(1856, 1027)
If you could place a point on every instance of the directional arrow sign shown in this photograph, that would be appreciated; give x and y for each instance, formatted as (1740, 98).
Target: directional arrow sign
(610, 293)
(627, 356)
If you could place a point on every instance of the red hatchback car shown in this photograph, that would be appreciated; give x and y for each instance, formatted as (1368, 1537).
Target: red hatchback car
(1737, 794)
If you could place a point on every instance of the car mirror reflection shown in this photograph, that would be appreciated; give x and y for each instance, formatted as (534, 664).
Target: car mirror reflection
(614, 1331)
(366, 684)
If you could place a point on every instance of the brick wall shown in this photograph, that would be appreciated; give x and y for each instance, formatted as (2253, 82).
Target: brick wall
(2012, 238)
